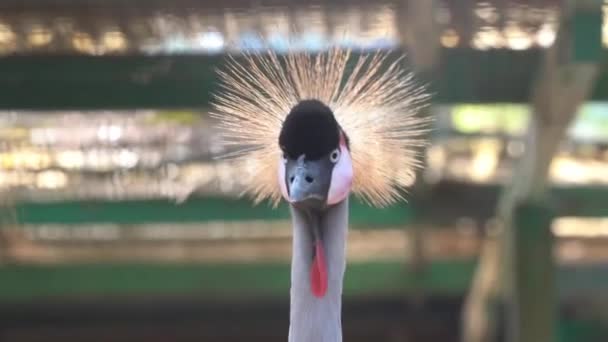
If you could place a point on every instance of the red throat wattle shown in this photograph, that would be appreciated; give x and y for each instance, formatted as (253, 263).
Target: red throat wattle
(318, 272)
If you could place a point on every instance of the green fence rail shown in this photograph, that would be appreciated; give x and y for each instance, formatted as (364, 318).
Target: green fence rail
(117, 82)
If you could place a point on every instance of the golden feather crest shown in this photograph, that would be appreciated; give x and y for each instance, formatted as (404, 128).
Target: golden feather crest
(374, 99)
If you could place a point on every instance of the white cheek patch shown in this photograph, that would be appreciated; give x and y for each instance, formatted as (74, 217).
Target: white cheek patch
(281, 179)
(341, 178)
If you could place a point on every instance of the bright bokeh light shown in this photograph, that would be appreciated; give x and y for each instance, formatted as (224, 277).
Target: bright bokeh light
(70, 159)
(51, 179)
(301, 27)
(576, 227)
(485, 160)
(508, 118)
(39, 36)
(450, 38)
(211, 41)
(114, 41)
(605, 24)
(546, 35)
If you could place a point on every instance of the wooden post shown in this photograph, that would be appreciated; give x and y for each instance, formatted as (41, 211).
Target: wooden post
(533, 307)
(565, 80)
(418, 31)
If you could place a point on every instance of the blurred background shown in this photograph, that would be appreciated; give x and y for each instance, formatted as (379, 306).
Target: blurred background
(116, 223)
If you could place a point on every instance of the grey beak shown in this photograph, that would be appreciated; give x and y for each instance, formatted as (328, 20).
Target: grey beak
(308, 182)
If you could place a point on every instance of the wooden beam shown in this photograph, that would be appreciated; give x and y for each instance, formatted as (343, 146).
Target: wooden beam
(155, 5)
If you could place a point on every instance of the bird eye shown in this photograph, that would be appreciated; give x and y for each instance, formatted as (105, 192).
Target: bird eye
(334, 156)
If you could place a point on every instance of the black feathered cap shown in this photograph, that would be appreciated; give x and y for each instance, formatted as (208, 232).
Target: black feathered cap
(311, 129)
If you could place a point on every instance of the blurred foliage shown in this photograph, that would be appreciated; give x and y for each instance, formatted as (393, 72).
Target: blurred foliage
(503, 118)
(591, 122)
(182, 117)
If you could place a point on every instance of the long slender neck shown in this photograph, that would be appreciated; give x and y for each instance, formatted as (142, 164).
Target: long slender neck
(315, 319)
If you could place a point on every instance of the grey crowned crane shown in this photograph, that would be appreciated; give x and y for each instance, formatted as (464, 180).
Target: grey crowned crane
(310, 129)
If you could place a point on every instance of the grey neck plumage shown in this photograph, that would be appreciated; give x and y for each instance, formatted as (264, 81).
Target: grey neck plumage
(318, 319)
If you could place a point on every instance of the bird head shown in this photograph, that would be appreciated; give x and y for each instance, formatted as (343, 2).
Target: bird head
(348, 124)
(316, 169)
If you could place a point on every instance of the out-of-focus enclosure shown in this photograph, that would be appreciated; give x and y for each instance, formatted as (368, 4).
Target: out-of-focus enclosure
(117, 224)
